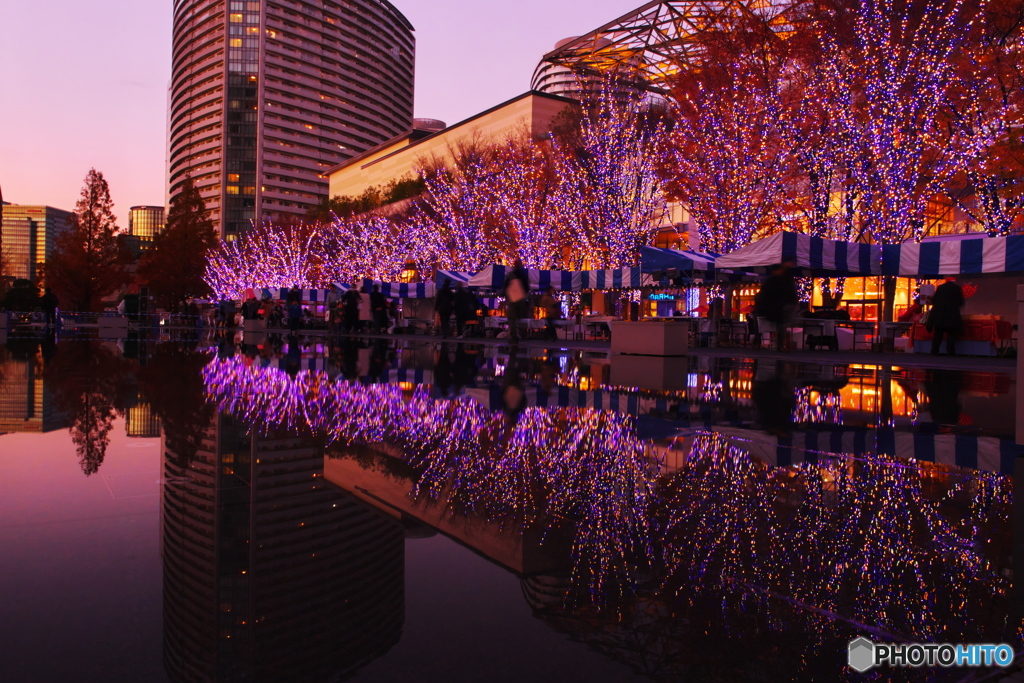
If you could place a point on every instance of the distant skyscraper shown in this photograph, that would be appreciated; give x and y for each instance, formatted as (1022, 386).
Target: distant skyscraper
(28, 234)
(265, 97)
(145, 222)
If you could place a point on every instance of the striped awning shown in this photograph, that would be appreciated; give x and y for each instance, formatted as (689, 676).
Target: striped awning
(970, 255)
(402, 290)
(653, 259)
(809, 255)
(493, 277)
(452, 276)
(309, 296)
(618, 278)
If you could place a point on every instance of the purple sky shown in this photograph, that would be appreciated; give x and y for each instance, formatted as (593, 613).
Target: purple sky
(84, 84)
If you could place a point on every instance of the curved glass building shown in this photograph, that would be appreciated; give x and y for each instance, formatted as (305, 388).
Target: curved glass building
(268, 94)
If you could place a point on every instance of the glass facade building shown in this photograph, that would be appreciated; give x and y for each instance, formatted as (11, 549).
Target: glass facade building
(146, 222)
(267, 95)
(27, 236)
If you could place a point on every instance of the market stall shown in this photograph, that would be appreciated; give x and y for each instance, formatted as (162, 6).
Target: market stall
(987, 268)
(810, 256)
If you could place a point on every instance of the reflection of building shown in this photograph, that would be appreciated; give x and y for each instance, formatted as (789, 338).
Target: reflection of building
(25, 403)
(145, 223)
(27, 234)
(266, 96)
(141, 421)
(269, 573)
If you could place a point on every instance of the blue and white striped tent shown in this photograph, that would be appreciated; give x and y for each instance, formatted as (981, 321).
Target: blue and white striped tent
(309, 296)
(960, 255)
(452, 276)
(618, 278)
(809, 255)
(402, 290)
(690, 263)
(493, 277)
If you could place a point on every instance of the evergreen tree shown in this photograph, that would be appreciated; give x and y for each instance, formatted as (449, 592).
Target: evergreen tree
(86, 264)
(174, 267)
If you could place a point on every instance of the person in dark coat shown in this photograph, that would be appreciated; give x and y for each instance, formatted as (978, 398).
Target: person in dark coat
(465, 308)
(944, 318)
(49, 303)
(379, 306)
(777, 301)
(350, 315)
(516, 290)
(444, 306)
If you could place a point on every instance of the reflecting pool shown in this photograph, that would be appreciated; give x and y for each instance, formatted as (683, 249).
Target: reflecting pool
(378, 511)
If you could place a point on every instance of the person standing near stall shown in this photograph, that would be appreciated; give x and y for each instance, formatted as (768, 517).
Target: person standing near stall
(516, 289)
(944, 319)
(443, 306)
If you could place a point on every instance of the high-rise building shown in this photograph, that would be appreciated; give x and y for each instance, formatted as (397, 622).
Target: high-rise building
(267, 95)
(27, 236)
(146, 222)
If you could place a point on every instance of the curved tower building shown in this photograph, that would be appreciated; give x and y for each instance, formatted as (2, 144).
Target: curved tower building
(267, 94)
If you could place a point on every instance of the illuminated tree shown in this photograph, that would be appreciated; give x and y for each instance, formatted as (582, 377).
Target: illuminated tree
(609, 196)
(885, 89)
(725, 158)
(360, 247)
(524, 205)
(985, 107)
(452, 224)
(266, 256)
(86, 264)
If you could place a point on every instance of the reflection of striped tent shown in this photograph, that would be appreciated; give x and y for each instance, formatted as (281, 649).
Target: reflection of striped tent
(403, 375)
(809, 255)
(959, 450)
(309, 296)
(283, 363)
(959, 255)
(491, 397)
(402, 290)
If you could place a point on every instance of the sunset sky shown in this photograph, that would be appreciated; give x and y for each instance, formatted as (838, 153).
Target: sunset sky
(84, 84)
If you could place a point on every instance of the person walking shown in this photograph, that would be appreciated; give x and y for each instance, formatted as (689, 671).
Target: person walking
(944, 319)
(379, 305)
(516, 290)
(443, 306)
(465, 308)
(350, 315)
(777, 302)
(50, 303)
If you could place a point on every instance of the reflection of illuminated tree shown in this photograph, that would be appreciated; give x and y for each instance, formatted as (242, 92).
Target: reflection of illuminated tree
(856, 541)
(89, 384)
(790, 561)
(564, 468)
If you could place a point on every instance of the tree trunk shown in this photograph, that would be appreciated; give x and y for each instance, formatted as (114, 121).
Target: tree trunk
(889, 297)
